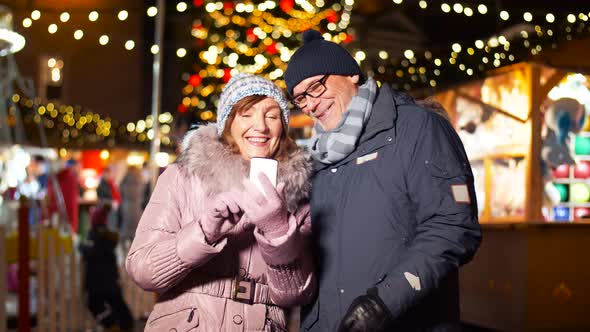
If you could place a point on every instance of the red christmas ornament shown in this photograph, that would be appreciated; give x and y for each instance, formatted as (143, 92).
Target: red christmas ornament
(198, 3)
(582, 170)
(272, 48)
(348, 38)
(226, 75)
(332, 16)
(250, 36)
(287, 5)
(561, 171)
(181, 108)
(195, 80)
(228, 5)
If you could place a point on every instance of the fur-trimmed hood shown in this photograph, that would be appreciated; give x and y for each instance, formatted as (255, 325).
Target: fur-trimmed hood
(219, 169)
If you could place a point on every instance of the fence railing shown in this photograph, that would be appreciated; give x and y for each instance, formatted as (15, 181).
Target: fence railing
(50, 287)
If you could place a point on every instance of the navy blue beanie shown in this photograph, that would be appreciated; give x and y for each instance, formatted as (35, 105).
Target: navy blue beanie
(318, 56)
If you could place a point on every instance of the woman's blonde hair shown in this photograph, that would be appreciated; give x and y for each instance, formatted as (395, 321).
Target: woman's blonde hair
(286, 144)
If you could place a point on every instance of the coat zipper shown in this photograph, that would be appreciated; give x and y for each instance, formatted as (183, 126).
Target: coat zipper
(191, 315)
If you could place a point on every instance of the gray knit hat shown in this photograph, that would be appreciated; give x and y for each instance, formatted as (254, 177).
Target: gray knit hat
(318, 56)
(243, 85)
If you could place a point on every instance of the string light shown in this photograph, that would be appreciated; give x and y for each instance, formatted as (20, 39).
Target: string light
(152, 11)
(27, 22)
(52, 28)
(103, 40)
(78, 34)
(482, 9)
(181, 6)
(504, 15)
(93, 16)
(64, 17)
(122, 15)
(35, 15)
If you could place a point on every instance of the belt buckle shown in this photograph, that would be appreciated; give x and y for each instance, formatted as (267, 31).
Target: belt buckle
(243, 291)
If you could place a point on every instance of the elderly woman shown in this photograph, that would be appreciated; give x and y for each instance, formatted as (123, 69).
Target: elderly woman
(223, 255)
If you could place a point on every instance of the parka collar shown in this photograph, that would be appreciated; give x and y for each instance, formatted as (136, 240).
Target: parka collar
(383, 117)
(220, 169)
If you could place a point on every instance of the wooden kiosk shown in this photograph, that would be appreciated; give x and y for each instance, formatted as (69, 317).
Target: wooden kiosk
(532, 270)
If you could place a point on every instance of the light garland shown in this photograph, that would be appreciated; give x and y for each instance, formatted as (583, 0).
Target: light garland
(452, 7)
(75, 126)
(463, 57)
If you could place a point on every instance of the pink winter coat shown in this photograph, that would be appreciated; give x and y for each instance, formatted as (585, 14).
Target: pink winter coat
(195, 280)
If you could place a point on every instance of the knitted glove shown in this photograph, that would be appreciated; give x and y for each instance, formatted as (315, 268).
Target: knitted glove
(222, 215)
(267, 211)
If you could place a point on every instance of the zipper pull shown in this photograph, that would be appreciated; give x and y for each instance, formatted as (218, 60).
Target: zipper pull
(191, 315)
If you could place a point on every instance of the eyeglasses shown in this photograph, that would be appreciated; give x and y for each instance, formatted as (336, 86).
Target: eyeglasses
(315, 90)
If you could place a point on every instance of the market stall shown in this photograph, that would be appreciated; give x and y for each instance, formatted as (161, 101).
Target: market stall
(526, 130)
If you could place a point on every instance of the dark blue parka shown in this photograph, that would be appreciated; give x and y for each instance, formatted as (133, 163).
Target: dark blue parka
(398, 214)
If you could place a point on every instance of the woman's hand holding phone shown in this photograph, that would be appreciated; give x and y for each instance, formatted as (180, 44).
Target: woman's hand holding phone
(266, 209)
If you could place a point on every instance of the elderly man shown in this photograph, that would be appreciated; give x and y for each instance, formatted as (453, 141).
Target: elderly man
(394, 213)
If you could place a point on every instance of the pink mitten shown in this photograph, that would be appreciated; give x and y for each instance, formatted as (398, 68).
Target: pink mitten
(222, 215)
(267, 211)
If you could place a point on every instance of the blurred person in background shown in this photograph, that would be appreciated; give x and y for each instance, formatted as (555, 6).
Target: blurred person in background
(101, 274)
(146, 175)
(29, 186)
(222, 254)
(108, 192)
(40, 168)
(68, 181)
(132, 188)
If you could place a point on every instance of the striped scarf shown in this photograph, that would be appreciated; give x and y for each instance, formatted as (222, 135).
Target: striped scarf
(332, 146)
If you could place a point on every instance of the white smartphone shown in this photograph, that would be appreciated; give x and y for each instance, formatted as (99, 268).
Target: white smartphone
(263, 165)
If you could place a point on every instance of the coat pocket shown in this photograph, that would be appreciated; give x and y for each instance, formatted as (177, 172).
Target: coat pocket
(177, 320)
(440, 170)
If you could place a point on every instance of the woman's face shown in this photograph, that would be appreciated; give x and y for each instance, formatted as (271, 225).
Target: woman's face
(257, 131)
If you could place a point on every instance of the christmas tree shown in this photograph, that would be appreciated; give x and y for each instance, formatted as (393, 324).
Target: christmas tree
(254, 37)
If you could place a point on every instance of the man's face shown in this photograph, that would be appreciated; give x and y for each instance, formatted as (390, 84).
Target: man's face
(333, 102)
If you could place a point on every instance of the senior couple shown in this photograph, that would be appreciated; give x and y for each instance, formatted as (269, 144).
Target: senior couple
(367, 236)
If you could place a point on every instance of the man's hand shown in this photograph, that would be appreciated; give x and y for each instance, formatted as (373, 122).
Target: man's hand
(366, 313)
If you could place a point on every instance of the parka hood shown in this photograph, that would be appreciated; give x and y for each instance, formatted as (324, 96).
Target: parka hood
(220, 169)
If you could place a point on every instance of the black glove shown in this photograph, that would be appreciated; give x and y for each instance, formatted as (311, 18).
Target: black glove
(366, 313)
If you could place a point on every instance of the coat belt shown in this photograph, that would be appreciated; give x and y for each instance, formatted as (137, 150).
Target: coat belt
(236, 289)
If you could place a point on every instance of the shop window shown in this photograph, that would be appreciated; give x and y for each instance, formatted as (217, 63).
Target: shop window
(567, 187)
